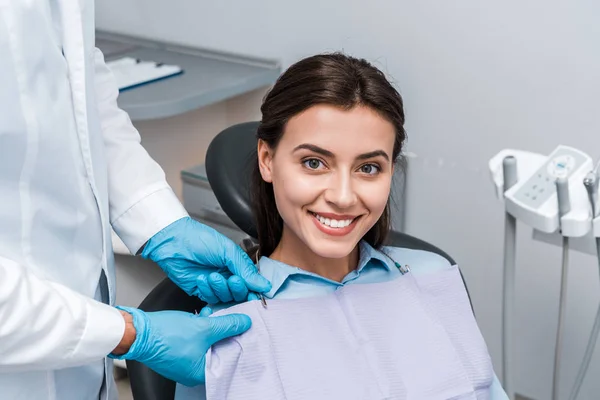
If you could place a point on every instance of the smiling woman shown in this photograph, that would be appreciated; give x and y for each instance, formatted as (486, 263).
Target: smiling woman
(331, 131)
(333, 125)
(330, 174)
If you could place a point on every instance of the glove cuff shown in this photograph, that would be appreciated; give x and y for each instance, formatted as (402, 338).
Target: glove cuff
(156, 241)
(140, 323)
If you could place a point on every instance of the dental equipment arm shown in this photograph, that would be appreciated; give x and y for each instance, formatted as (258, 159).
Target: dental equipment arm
(548, 206)
(532, 199)
(591, 185)
(564, 207)
(509, 169)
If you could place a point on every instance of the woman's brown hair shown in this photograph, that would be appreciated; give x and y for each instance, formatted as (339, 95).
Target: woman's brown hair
(333, 79)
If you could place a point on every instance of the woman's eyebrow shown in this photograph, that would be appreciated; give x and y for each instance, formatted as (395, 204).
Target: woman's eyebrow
(372, 154)
(327, 153)
(314, 148)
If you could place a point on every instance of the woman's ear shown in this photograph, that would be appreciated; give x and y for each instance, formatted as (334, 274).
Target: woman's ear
(265, 160)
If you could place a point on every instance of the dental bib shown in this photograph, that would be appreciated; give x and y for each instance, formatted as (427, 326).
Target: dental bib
(413, 338)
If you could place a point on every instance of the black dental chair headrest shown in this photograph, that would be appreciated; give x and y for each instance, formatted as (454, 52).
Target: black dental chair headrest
(229, 163)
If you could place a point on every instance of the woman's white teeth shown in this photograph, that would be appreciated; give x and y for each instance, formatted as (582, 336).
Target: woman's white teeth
(333, 223)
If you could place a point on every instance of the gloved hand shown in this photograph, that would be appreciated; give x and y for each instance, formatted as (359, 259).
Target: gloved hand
(204, 263)
(209, 309)
(174, 343)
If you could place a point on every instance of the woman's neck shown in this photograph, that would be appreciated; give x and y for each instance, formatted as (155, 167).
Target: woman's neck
(293, 251)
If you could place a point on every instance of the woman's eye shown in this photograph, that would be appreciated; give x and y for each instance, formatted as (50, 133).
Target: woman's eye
(370, 169)
(312, 163)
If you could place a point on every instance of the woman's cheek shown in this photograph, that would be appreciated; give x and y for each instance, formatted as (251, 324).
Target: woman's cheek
(375, 196)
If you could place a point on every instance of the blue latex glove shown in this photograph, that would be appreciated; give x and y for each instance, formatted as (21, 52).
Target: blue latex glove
(210, 308)
(204, 263)
(174, 343)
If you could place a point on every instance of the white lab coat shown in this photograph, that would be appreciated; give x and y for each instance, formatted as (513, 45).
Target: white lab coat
(71, 165)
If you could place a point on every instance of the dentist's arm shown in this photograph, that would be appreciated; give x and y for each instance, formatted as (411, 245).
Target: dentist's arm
(45, 325)
(140, 199)
(144, 209)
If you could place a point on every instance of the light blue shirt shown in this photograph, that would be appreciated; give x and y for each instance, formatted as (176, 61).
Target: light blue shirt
(374, 266)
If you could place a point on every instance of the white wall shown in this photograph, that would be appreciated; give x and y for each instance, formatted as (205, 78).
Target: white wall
(476, 77)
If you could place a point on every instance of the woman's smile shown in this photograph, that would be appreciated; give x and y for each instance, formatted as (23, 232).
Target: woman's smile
(333, 224)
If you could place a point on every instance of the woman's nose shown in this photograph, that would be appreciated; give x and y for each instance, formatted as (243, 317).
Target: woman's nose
(341, 192)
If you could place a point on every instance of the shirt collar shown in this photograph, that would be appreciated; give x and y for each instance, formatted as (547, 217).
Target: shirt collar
(278, 273)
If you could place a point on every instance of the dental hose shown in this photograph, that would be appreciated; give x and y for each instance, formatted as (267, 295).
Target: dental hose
(591, 184)
(564, 206)
(509, 167)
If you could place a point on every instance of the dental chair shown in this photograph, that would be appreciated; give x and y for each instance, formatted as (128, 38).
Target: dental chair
(228, 162)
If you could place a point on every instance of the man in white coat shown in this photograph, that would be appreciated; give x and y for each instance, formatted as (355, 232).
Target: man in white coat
(72, 166)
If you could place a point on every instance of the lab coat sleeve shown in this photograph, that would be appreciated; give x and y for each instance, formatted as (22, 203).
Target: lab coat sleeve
(141, 201)
(45, 325)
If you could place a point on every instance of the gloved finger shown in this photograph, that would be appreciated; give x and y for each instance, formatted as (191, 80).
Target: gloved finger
(220, 287)
(237, 288)
(225, 273)
(240, 264)
(253, 296)
(206, 311)
(206, 293)
(227, 326)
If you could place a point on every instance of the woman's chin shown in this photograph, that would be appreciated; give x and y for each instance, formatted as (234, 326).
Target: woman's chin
(330, 249)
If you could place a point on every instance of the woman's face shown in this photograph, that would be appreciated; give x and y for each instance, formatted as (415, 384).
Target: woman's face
(331, 174)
